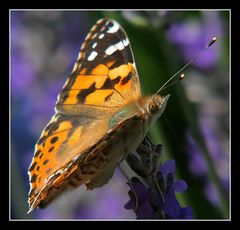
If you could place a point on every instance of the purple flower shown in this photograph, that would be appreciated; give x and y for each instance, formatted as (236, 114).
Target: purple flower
(158, 200)
(172, 208)
(144, 209)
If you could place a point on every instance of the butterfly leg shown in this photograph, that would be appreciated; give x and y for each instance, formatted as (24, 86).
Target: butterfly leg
(130, 184)
(147, 150)
(156, 160)
(150, 155)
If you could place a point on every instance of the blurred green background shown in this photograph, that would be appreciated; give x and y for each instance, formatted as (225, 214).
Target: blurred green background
(194, 129)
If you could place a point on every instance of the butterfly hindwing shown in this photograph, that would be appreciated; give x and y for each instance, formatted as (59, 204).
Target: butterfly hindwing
(63, 139)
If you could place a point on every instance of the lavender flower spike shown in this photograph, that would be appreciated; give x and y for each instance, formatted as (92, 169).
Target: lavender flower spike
(156, 191)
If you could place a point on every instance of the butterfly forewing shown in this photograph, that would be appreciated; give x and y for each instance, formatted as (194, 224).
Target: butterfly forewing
(104, 74)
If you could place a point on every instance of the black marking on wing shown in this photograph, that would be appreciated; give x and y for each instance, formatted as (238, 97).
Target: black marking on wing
(42, 140)
(33, 178)
(32, 166)
(126, 79)
(51, 149)
(46, 161)
(37, 153)
(109, 84)
(85, 92)
(54, 140)
(107, 98)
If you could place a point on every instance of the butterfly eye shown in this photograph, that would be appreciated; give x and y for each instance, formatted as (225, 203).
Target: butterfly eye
(155, 104)
(154, 108)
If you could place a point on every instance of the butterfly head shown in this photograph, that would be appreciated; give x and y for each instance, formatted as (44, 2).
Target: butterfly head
(154, 106)
(157, 104)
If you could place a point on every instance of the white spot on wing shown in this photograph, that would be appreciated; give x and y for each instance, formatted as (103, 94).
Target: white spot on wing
(92, 56)
(94, 45)
(101, 36)
(126, 42)
(110, 50)
(118, 46)
(114, 28)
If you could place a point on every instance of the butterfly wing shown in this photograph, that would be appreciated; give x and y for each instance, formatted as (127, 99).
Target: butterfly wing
(104, 76)
(103, 80)
(62, 140)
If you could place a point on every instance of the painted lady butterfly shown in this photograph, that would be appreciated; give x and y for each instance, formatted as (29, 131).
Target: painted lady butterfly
(100, 118)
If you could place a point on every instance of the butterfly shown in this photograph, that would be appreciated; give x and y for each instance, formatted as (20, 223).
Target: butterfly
(100, 117)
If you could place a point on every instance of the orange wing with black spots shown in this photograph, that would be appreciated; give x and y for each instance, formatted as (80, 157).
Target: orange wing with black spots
(104, 74)
(103, 80)
(63, 139)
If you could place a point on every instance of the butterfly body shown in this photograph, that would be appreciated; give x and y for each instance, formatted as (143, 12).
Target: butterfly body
(100, 118)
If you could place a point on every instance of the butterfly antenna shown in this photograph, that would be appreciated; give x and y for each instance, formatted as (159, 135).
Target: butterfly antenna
(182, 76)
(213, 40)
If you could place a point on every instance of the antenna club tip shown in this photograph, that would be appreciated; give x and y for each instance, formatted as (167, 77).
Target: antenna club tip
(214, 39)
